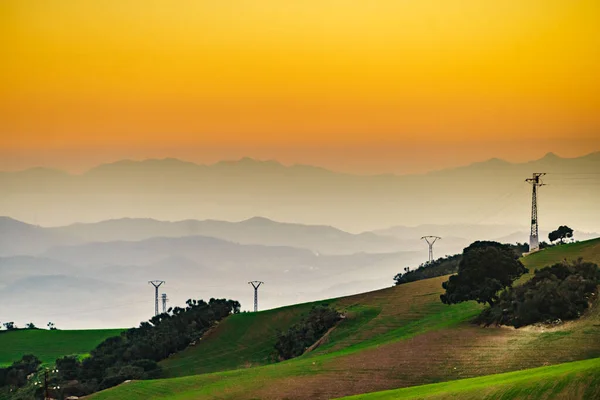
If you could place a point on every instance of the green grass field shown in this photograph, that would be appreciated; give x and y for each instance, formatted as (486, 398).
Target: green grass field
(392, 338)
(588, 250)
(579, 379)
(247, 340)
(49, 345)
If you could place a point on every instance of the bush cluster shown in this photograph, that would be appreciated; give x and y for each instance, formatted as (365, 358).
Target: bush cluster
(445, 266)
(440, 267)
(16, 374)
(302, 335)
(136, 352)
(558, 292)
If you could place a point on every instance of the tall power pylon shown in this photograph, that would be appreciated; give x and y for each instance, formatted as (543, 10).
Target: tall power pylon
(164, 302)
(156, 285)
(430, 241)
(255, 285)
(536, 181)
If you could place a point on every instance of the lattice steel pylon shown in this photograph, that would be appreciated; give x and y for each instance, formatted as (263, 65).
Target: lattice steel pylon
(536, 181)
(156, 285)
(430, 241)
(255, 285)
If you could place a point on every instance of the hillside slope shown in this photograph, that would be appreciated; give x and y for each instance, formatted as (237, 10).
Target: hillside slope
(579, 379)
(50, 345)
(247, 339)
(589, 250)
(392, 338)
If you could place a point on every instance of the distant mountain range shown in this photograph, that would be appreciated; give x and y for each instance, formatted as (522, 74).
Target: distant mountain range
(257, 230)
(107, 264)
(19, 238)
(85, 263)
(349, 233)
(482, 193)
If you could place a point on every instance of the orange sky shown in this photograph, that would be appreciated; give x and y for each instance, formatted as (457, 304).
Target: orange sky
(353, 85)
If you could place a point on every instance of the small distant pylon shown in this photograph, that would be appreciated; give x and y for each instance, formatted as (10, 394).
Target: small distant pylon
(164, 302)
(255, 285)
(156, 285)
(430, 241)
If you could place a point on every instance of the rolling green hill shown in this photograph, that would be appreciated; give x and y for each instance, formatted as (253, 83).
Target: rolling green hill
(49, 345)
(589, 250)
(579, 379)
(392, 338)
(247, 340)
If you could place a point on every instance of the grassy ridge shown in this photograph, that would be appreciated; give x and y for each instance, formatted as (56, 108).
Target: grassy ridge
(397, 337)
(241, 383)
(247, 340)
(240, 341)
(579, 379)
(379, 362)
(589, 250)
(50, 345)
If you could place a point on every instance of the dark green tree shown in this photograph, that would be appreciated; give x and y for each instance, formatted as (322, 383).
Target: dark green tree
(30, 326)
(484, 269)
(10, 326)
(563, 232)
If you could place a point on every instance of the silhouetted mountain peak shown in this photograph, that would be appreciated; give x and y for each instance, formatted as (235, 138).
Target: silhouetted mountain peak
(595, 156)
(161, 164)
(497, 161)
(248, 162)
(550, 156)
(8, 223)
(38, 172)
(258, 221)
(493, 162)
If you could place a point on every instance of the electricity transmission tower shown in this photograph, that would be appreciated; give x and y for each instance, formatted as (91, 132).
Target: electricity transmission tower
(156, 285)
(164, 302)
(536, 181)
(430, 241)
(255, 285)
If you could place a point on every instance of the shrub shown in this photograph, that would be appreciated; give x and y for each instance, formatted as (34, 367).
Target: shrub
(299, 337)
(440, 267)
(16, 374)
(559, 292)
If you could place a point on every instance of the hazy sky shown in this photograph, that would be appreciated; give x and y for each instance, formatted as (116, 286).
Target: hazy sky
(365, 86)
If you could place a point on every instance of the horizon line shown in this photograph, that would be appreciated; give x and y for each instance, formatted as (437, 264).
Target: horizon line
(281, 164)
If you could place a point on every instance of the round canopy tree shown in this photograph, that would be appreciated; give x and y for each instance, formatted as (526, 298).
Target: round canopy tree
(485, 269)
(563, 232)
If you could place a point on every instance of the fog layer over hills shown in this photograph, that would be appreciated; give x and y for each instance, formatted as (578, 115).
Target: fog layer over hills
(80, 273)
(95, 275)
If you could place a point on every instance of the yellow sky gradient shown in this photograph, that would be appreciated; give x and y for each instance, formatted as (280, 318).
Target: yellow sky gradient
(288, 79)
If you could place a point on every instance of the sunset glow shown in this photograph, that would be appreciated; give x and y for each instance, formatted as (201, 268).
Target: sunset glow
(84, 80)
